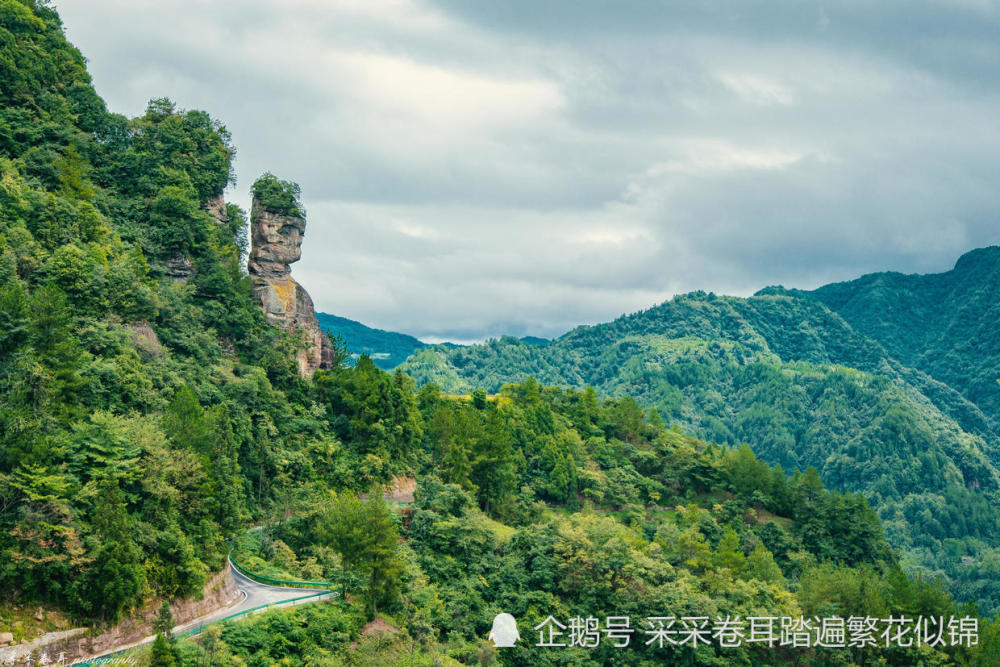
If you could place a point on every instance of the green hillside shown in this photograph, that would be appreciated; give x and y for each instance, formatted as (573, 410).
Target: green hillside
(793, 379)
(387, 349)
(542, 501)
(944, 324)
(150, 416)
(138, 381)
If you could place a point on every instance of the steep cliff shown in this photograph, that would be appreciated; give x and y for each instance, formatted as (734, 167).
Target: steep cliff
(276, 233)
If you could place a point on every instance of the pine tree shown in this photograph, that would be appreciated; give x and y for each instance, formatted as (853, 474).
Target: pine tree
(493, 469)
(164, 623)
(225, 470)
(563, 480)
(162, 654)
(118, 575)
(186, 424)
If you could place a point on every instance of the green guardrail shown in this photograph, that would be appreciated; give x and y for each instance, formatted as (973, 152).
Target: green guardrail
(287, 583)
(248, 612)
(117, 656)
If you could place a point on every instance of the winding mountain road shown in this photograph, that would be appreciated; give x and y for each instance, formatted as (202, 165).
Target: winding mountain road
(254, 595)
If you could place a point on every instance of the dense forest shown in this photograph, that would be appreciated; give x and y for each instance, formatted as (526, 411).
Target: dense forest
(789, 376)
(540, 501)
(943, 324)
(149, 417)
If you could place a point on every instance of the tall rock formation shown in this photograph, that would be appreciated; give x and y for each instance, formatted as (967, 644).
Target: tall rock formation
(276, 240)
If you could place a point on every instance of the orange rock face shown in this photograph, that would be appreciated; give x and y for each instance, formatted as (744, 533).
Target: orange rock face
(276, 242)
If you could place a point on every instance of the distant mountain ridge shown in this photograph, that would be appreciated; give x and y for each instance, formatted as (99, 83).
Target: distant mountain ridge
(387, 349)
(944, 324)
(887, 385)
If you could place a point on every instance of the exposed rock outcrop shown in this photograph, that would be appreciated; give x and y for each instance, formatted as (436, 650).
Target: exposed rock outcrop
(216, 207)
(179, 268)
(276, 240)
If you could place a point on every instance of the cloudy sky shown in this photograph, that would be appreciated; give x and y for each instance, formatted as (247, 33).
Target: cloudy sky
(477, 168)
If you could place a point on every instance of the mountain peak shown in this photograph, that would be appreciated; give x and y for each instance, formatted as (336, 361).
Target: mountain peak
(980, 259)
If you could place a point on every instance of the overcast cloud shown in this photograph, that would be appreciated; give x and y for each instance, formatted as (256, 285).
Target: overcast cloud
(477, 168)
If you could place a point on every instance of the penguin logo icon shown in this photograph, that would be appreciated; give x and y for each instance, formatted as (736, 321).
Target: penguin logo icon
(504, 633)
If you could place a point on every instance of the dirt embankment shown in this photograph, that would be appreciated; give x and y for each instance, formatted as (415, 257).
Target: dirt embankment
(78, 643)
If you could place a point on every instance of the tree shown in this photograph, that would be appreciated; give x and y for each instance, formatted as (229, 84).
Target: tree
(562, 482)
(761, 566)
(118, 575)
(493, 469)
(278, 196)
(164, 623)
(179, 225)
(13, 317)
(728, 554)
(339, 351)
(225, 470)
(747, 474)
(364, 534)
(186, 424)
(479, 399)
(162, 655)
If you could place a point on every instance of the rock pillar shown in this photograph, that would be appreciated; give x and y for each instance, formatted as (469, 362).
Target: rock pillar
(276, 242)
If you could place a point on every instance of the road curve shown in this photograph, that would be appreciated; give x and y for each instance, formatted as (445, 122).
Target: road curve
(253, 594)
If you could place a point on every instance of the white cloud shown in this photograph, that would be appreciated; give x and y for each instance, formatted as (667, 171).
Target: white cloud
(708, 155)
(474, 169)
(757, 89)
(437, 96)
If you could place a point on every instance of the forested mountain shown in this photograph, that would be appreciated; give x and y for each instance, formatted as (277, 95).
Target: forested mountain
(544, 501)
(944, 324)
(138, 380)
(150, 415)
(387, 349)
(788, 375)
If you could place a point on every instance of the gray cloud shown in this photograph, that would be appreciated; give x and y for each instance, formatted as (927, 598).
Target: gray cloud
(472, 169)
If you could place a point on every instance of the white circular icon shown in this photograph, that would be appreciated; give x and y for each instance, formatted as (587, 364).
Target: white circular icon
(504, 633)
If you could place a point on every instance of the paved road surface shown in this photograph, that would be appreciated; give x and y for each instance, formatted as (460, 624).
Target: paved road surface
(253, 594)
